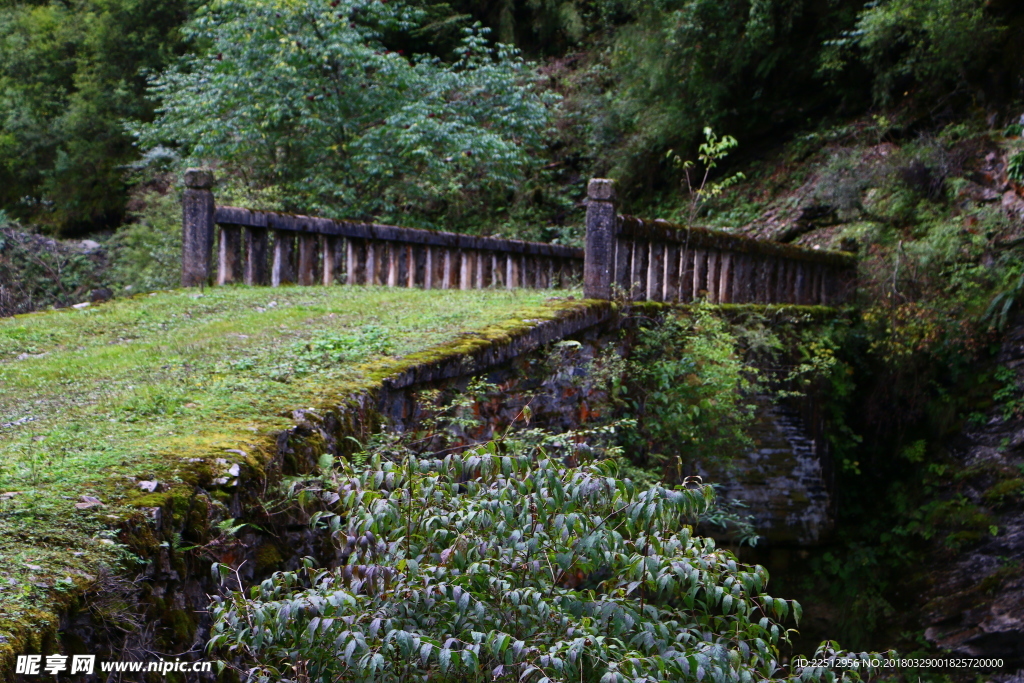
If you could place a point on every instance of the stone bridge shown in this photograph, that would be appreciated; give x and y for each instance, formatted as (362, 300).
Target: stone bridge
(785, 479)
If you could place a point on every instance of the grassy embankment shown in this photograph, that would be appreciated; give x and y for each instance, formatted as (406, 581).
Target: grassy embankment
(98, 401)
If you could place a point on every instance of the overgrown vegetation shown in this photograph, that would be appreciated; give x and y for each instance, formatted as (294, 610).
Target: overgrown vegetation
(687, 388)
(506, 562)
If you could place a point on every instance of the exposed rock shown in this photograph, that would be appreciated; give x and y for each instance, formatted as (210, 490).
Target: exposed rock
(978, 193)
(975, 607)
(1013, 204)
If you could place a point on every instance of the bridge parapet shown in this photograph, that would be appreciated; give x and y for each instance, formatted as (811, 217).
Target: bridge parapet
(271, 248)
(655, 260)
(625, 256)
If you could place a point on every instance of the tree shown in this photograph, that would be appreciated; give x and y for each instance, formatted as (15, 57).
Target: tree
(934, 45)
(507, 564)
(69, 74)
(304, 101)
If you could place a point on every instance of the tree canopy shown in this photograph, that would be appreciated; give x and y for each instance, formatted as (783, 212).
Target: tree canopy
(305, 101)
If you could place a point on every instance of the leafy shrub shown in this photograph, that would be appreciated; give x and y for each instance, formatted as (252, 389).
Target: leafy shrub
(305, 101)
(686, 391)
(511, 566)
(37, 272)
(146, 254)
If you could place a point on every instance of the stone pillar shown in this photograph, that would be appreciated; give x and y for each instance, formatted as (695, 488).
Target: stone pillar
(600, 247)
(197, 227)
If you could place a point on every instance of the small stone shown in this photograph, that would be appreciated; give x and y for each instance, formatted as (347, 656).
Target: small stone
(89, 502)
(34, 567)
(236, 450)
(90, 245)
(84, 304)
(149, 486)
(220, 481)
(234, 470)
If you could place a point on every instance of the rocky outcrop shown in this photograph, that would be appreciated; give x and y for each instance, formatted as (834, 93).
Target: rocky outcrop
(975, 605)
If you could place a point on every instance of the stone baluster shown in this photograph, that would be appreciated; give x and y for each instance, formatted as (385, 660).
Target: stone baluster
(700, 273)
(308, 243)
(372, 263)
(621, 276)
(714, 272)
(282, 270)
(480, 276)
(670, 275)
(329, 255)
(725, 276)
(466, 270)
(256, 246)
(685, 274)
(800, 286)
(656, 272)
(638, 278)
(229, 260)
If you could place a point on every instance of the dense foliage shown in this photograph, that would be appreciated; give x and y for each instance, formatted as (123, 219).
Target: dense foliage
(70, 73)
(299, 127)
(304, 102)
(688, 389)
(503, 563)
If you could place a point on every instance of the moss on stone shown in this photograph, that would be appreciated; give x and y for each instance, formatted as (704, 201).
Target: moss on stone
(268, 557)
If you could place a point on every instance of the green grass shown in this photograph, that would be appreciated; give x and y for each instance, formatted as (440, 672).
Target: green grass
(100, 398)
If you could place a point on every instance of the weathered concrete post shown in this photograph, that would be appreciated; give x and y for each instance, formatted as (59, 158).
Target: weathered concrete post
(599, 256)
(197, 227)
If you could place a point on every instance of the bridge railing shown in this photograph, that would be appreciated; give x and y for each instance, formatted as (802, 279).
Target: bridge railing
(625, 257)
(655, 260)
(270, 248)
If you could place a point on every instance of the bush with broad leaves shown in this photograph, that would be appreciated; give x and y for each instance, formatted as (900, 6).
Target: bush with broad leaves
(511, 566)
